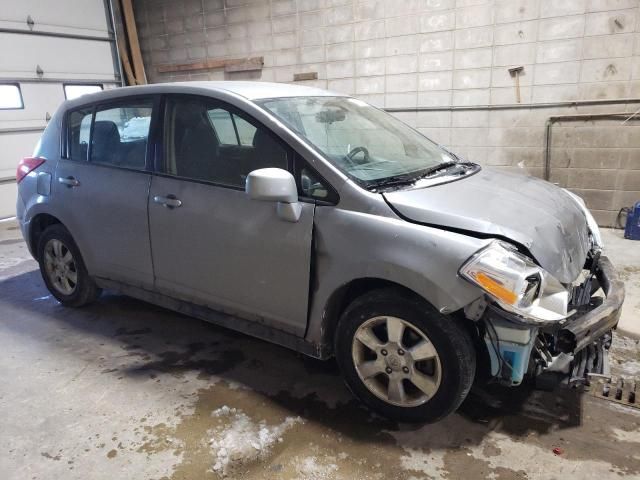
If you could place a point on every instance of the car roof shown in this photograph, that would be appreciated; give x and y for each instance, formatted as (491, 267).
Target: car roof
(248, 90)
(257, 90)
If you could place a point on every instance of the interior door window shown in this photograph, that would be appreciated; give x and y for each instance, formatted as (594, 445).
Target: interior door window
(79, 129)
(223, 126)
(312, 186)
(246, 131)
(212, 143)
(120, 134)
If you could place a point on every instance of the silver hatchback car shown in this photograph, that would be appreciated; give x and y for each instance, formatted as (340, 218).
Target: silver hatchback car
(316, 221)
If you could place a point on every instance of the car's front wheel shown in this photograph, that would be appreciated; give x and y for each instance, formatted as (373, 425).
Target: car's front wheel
(403, 358)
(63, 269)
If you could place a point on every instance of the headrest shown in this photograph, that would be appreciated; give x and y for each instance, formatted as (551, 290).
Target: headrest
(106, 131)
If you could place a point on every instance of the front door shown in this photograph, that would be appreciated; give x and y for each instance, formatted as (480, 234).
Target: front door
(102, 187)
(213, 245)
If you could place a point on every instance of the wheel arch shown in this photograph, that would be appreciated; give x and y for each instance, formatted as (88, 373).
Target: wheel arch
(37, 226)
(342, 297)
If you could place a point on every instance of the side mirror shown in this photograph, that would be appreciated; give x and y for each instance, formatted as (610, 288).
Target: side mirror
(275, 185)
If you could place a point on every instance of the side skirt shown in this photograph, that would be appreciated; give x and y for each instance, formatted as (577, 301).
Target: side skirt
(221, 319)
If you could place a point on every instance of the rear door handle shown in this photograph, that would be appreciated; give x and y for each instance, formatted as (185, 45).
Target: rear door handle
(68, 181)
(170, 201)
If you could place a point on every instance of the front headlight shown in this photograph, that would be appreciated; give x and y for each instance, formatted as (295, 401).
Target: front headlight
(517, 284)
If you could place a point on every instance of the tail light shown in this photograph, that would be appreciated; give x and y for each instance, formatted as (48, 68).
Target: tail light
(26, 166)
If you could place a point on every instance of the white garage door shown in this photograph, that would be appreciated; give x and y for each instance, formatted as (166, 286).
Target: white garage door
(48, 50)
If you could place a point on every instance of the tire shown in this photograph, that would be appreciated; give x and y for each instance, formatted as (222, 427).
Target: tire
(447, 376)
(57, 243)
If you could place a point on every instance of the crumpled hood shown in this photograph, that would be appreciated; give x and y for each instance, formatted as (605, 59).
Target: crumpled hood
(534, 213)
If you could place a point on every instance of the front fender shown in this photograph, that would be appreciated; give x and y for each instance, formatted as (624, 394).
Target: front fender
(354, 245)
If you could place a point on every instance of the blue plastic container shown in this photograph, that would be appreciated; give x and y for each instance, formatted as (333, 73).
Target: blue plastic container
(632, 229)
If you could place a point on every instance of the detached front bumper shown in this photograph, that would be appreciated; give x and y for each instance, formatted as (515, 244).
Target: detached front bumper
(569, 351)
(597, 318)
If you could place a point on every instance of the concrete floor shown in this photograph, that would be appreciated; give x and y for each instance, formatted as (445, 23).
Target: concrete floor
(123, 389)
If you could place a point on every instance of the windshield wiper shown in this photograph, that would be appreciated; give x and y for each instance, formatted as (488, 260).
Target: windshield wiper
(437, 168)
(411, 178)
(393, 181)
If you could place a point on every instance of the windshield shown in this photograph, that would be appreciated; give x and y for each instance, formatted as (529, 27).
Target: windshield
(367, 144)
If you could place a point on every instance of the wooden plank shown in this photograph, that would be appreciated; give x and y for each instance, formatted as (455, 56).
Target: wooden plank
(128, 71)
(301, 77)
(229, 64)
(134, 44)
(244, 64)
(188, 67)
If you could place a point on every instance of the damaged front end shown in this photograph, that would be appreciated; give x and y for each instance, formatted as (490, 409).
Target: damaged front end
(532, 325)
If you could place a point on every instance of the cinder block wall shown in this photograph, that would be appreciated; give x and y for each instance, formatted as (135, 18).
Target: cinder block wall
(439, 55)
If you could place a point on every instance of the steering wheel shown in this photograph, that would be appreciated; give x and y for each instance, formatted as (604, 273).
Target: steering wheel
(355, 151)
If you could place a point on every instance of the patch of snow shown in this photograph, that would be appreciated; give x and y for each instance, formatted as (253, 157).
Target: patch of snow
(231, 385)
(313, 469)
(136, 128)
(625, 436)
(427, 462)
(630, 367)
(241, 440)
(623, 343)
(621, 408)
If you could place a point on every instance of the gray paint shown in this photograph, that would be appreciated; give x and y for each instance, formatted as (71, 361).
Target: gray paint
(222, 249)
(536, 214)
(107, 215)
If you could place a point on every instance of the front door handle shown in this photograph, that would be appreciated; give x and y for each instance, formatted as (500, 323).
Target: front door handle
(170, 201)
(68, 181)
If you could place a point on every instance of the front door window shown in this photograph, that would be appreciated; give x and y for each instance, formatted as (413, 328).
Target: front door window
(210, 143)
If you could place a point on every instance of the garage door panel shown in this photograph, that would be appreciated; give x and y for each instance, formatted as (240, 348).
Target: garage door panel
(8, 195)
(13, 147)
(79, 17)
(38, 99)
(64, 58)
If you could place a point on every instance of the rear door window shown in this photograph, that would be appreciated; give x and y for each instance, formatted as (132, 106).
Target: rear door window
(120, 133)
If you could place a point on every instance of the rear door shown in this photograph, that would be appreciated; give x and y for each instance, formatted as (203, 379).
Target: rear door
(102, 187)
(213, 245)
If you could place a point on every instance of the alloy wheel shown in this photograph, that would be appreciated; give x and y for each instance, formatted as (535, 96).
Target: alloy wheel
(60, 267)
(396, 361)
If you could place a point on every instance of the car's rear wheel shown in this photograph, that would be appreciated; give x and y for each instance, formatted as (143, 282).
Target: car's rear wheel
(63, 269)
(403, 358)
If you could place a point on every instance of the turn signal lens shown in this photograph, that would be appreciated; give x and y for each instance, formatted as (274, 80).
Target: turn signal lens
(26, 166)
(496, 289)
